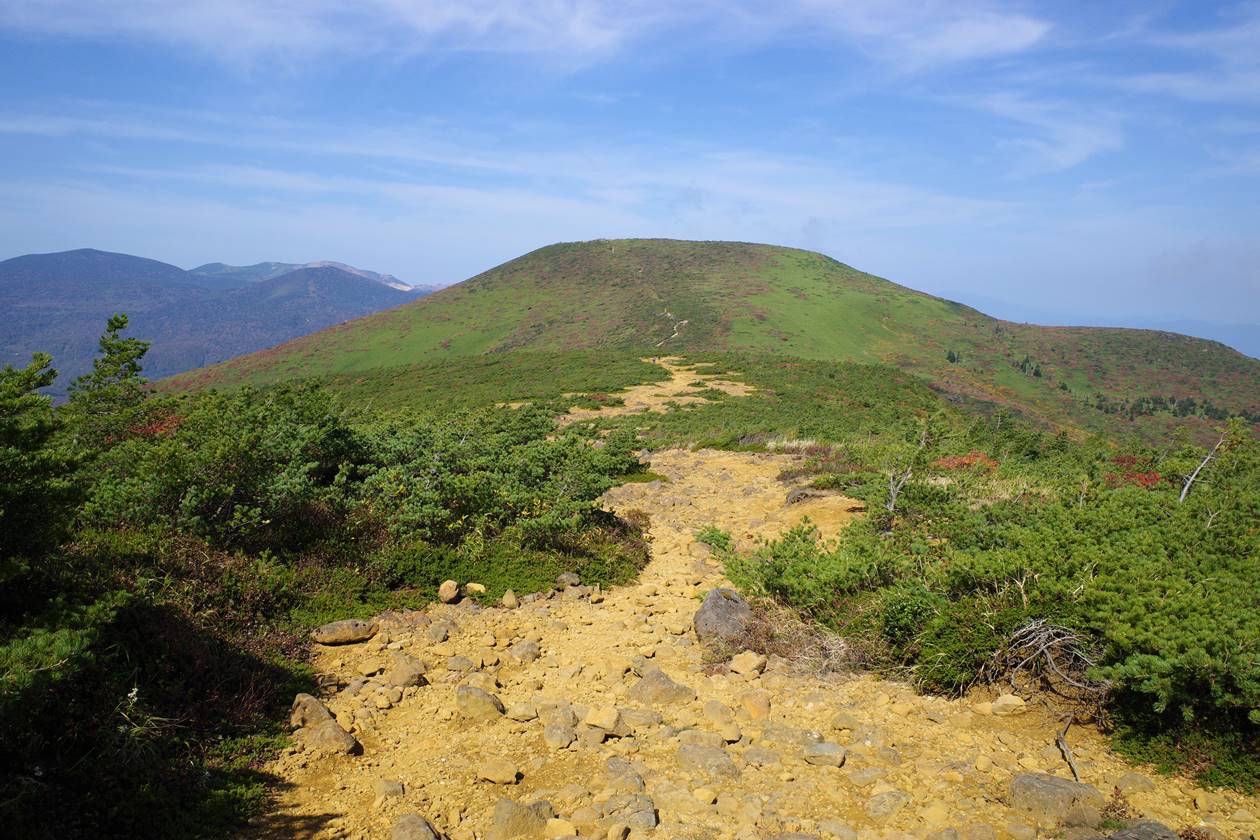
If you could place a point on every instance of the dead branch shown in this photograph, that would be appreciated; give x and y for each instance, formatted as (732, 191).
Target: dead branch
(897, 482)
(1061, 741)
(1190, 479)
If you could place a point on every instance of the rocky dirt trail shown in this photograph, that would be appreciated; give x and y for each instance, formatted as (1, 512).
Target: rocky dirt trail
(680, 388)
(600, 714)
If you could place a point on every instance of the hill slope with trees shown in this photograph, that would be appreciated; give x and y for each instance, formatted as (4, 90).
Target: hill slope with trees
(57, 302)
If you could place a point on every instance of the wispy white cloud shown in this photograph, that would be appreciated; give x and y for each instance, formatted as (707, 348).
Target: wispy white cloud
(910, 33)
(1228, 62)
(1065, 134)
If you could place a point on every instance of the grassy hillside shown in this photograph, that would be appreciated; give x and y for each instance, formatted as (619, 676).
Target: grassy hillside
(657, 296)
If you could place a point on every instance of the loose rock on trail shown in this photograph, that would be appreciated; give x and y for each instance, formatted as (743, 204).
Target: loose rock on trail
(601, 714)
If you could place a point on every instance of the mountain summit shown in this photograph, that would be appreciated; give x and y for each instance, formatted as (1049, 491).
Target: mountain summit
(650, 296)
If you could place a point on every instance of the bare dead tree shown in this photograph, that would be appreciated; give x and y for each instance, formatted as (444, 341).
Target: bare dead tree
(897, 481)
(1194, 476)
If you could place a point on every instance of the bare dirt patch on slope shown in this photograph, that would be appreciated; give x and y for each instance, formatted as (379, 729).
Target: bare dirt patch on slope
(680, 389)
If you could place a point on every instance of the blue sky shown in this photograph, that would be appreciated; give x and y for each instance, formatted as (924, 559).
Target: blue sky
(1088, 161)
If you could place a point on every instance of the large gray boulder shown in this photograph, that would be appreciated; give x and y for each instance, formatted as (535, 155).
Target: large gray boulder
(723, 618)
(1053, 801)
(345, 632)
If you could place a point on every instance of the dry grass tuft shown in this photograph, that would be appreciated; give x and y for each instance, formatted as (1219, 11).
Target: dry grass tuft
(776, 631)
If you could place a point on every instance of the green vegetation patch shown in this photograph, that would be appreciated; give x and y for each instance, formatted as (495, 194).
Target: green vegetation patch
(162, 560)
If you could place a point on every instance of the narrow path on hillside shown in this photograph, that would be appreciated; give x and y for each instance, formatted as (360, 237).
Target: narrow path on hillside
(681, 387)
(620, 721)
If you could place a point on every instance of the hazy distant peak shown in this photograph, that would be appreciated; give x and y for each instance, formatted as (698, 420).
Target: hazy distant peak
(385, 279)
(259, 272)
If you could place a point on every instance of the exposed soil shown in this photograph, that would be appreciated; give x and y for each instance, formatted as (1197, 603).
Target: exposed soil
(679, 389)
(948, 763)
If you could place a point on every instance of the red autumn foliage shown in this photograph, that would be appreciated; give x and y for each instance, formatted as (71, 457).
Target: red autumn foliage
(1148, 480)
(161, 425)
(976, 460)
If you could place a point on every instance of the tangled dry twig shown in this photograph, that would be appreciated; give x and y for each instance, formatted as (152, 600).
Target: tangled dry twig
(1041, 655)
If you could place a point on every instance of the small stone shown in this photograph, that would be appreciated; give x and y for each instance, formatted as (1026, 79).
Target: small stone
(1007, 705)
(748, 662)
(837, 829)
(704, 795)
(825, 754)
(1145, 830)
(474, 589)
(591, 736)
(307, 710)
(498, 770)
(345, 632)
(511, 819)
(412, 827)
(477, 704)
(884, 805)
(606, 718)
(522, 712)
(557, 713)
(711, 762)
(558, 828)
(1052, 801)
(723, 617)
(756, 703)
(328, 738)
(526, 651)
(618, 831)
(657, 689)
(1131, 783)
(567, 579)
(460, 663)
(404, 670)
(979, 831)
(558, 736)
(448, 592)
(760, 756)
(509, 600)
(388, 787)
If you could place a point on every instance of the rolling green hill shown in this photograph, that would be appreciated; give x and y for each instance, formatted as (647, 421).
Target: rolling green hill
(663, 296)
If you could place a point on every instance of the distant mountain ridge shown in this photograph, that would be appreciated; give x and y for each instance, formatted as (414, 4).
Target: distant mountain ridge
(242, 274)
(59, 302)
(657, 296)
